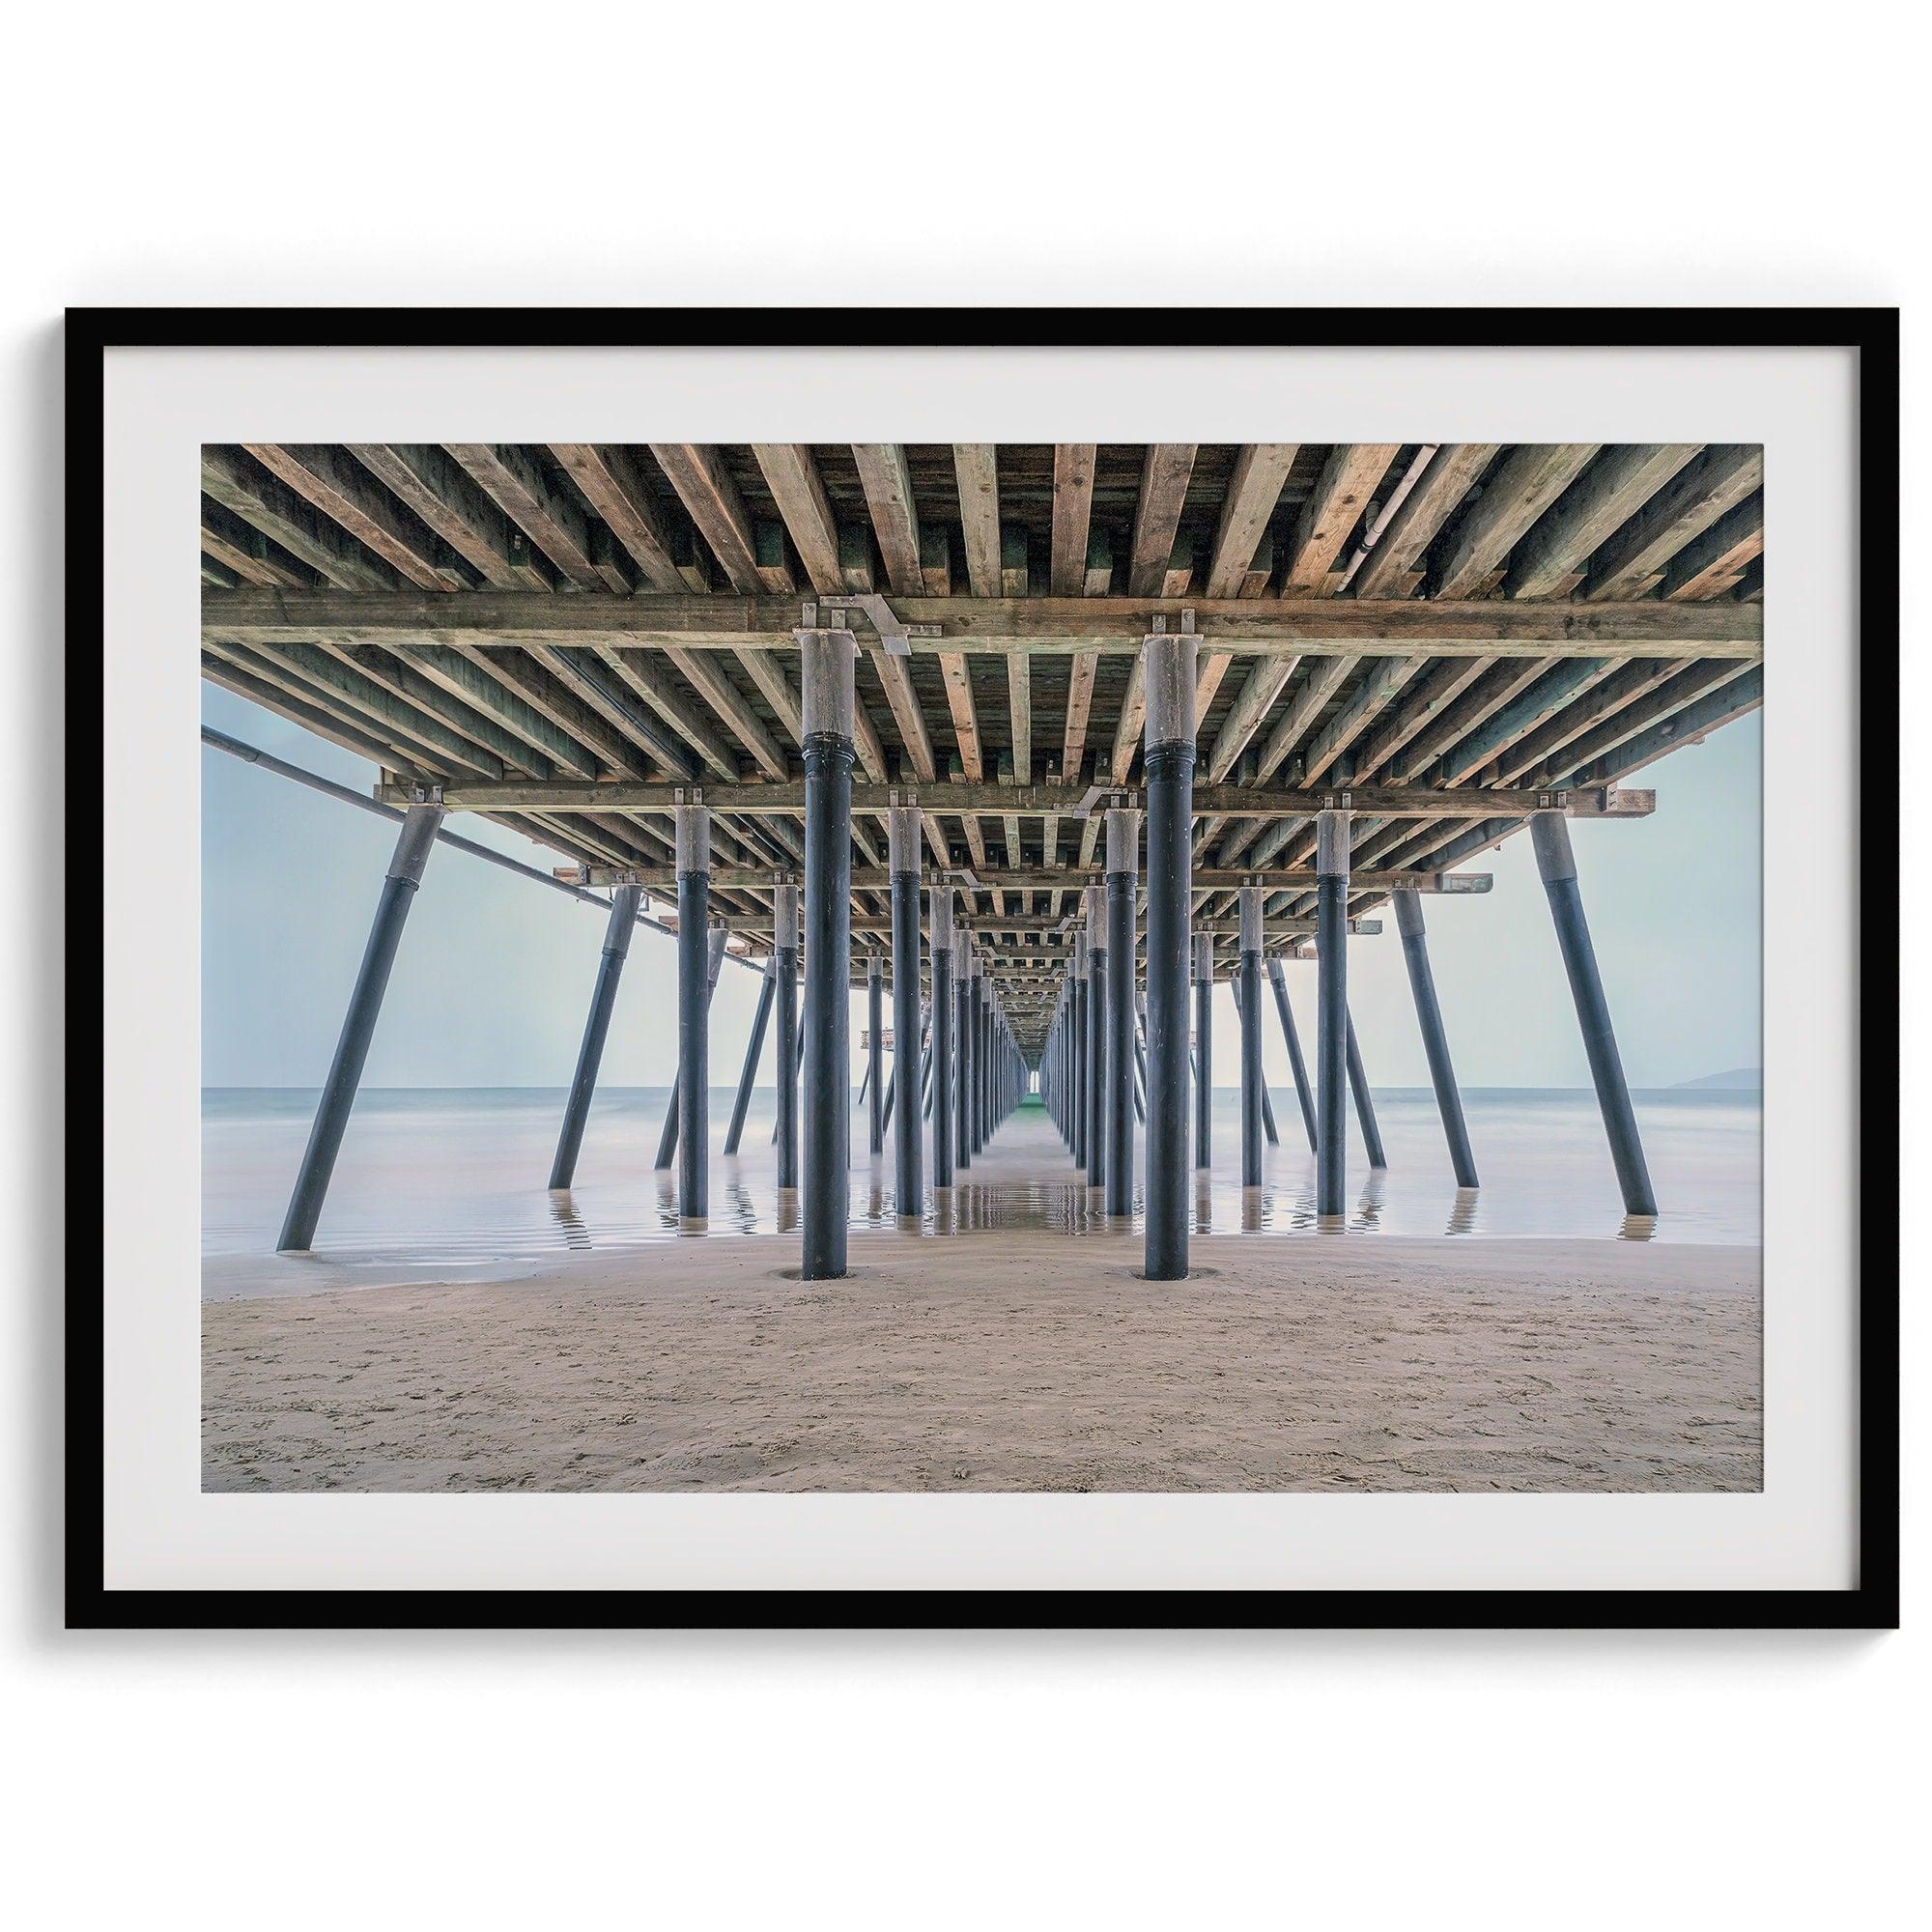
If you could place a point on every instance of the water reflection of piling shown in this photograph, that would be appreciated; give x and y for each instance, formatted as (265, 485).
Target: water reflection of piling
(1463, 1215)
(786, 1215)
(563, 1211)
(1637, 1228)
(1369, 1208)
(1254, 1209)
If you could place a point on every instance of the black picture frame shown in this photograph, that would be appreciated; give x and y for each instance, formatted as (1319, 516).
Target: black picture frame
(1872, 333)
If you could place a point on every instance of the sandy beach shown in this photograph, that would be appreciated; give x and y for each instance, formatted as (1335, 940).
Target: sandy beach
(1012, 1359)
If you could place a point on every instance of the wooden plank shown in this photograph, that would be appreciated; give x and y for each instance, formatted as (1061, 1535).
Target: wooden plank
(1325, 627)
(311, 717)
(441, 494)
(1536, 749)
(1331, 513)
(324, 476)
(1531, 478)
(1394, 567)
(508, 476)
(965, 718)
(598, 700)
(1072, 516)
(1265, 683)
(406, 677)
(613, 485)
(773, 567)
(791, 474)
(471, 675)
(1694, 498)
(887, 482)
(698, 474)
(1209, 668)
(637, 671)
(1133, 715)
(1079, 704)
(1443, 687)
(975, 465)
(1324, 679)
(1254, 491)
(1383, 678)
(1714, 563)
(1549, 561)
(1019, 710)
(1164, 476)
(247, 492)
(250, 554)
(706, 675)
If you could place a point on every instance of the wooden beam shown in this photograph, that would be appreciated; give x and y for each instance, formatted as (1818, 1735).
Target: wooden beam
(1347, 480)
(1335, 626)
(1017, 878)
(1714, 563)
(704, 486)
(1383, 678)
(975, 465)
(248, 491)
(1632, 562)
(322, 475)
(1549, 561)
(507, 474)
(1164, 476)
(887, 482)
(247, 553)
(706, 676)
(1072, 516)
(1262, 801)
(792, 477)
(649, 684)
(1532, 479)
(1133, 716)
(1254, 491)
(1394, 567)
(614, 487)
(1265, 683)
(441, 494)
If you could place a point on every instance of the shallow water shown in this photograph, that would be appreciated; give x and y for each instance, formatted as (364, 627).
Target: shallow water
(451, 1180)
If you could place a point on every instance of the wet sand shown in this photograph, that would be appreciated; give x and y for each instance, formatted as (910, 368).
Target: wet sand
(1010, 1359)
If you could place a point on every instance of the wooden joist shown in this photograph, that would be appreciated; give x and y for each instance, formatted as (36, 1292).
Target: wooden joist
(243, 488)
(1393, 568)
(1254, 490)
(440, 491)
(1530, 479)
(328, 478)
(1635, 557)
(1164, 475)
(507, 473)
(704, 486)
(613, 485)
(1549, 561)
(1329, 516)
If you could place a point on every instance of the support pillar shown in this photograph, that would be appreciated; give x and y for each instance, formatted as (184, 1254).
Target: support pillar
(1365, 1104)
(1331, 1044)
(903, 844)
(1250, 970)
(754, 1053)
(1549, 832)
(875, 1050)
(1076, 1045)
(963, 1051)
(420, 824)
(825, 694)
(667, 1140)
(1167, 754)
(1096, 897)
(1434, 1040)
(1123, 864)
(693, 1016)
(596, 1030)
(1204, 1050)
(785, 929)
(1278, 983)
(939, 940)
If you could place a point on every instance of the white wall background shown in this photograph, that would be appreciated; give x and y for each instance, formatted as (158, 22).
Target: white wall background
(358, 152)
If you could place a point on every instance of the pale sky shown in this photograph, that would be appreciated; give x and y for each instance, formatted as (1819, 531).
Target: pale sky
(491, 984)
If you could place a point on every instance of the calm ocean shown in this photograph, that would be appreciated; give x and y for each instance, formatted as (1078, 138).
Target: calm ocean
(452, 1179)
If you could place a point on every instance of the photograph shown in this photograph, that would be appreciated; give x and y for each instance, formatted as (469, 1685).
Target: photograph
(981, 966)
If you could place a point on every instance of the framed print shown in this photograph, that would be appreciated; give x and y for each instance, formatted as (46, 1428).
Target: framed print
(1146, 967)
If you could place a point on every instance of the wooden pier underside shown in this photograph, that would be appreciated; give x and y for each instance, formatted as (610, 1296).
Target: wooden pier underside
(559, 635)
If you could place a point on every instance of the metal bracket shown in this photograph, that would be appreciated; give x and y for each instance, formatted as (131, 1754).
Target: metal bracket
(426, 794)
(1159, 622)
(893, 635)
